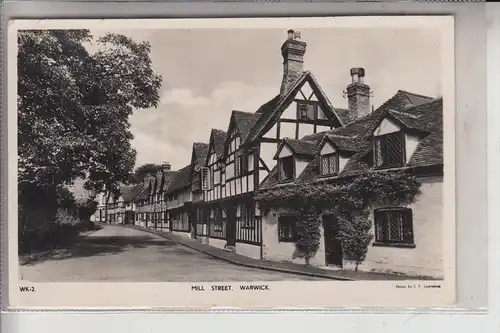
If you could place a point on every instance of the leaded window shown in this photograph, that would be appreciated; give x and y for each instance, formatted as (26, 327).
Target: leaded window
(394, 225)
(330, 164)
(389, 150)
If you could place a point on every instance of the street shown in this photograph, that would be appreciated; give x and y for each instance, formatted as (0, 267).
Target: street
(129, 255)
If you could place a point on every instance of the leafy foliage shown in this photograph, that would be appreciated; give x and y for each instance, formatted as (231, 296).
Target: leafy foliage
(73, 110)
(348, 200)
(308, 233)
(73, 106)
(143, 170)
(355, 234)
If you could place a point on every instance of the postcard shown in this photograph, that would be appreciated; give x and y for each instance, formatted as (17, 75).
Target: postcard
(257, 163)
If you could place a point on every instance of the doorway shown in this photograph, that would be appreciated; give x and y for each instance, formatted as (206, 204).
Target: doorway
(333, 246)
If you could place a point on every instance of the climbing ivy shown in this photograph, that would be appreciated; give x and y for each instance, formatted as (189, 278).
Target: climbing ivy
(348, 201)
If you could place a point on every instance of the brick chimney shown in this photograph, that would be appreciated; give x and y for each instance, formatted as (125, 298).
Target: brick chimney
(358, 94)
(165, 166)
(293, 50)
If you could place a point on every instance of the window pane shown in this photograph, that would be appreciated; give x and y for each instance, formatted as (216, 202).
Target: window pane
(324, 165)
(394, 226)
(407, 226)
(378, 152)
(394, 149)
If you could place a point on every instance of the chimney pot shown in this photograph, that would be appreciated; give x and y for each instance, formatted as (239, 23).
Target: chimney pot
(166, 166)
(297, 35)
(290, 34)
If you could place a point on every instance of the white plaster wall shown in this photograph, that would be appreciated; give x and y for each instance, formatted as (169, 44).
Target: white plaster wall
(252, 251)
(305, 129)
(267, 152)
(290, 112)
(306, 90)
(287, 130)
(272, 249)
(342, 162)
(427, 257)
(272, 133)
(182, 233)
(411, 143)
(300, 165)
(285, 151)
(219, 243)
(386, 126)
(328, 149)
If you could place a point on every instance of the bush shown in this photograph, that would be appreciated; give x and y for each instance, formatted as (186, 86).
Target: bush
(308, 233)
(355, 236)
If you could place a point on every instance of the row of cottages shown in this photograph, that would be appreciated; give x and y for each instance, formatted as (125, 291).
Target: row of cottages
(299, 137)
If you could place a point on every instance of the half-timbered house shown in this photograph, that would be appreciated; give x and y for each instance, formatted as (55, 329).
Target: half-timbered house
(405, 133)
(298, 136)
(300, 108)
(179, 202)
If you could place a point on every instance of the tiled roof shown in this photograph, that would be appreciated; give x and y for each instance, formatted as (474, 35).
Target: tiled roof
(344, 143)
(219, 138)
(245, 121)
(181, 179)
(130, 192)
(200, 150)
(416, 99)
(169, 177)
(344, 115)
(300, 147)
(427, 118)
(144, 192)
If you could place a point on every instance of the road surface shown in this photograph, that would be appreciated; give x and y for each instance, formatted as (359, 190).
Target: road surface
(128, 255)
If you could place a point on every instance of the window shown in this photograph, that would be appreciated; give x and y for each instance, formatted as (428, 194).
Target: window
(330, 164)
(306, 111)
(286, 228)
(205, 181)
(286, 168)
(394, 226)
(241, 165)
(237, 166)
(389, 150)
(211, 177)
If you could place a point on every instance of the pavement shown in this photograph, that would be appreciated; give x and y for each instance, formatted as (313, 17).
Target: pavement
(118, 254)
(284, 267)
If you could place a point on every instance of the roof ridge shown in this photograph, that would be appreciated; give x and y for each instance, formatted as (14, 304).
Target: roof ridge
(414, 94)
(413, 116)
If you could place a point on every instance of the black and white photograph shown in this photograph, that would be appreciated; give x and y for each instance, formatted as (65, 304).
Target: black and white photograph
(219, 159)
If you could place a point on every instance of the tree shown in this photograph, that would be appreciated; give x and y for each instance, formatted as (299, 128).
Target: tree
(143, 170)
(73, 106)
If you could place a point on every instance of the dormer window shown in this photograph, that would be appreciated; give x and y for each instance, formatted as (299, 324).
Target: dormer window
(389, 150)
(329, 164)
(286, 168)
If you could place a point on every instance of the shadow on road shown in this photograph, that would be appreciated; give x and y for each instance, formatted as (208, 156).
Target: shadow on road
(96, 246)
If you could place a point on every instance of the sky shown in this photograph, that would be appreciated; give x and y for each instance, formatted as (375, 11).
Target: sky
(208, 73)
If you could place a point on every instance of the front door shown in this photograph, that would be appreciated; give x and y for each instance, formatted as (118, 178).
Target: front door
(230, 225)
(333, 246)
